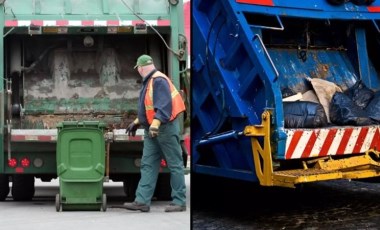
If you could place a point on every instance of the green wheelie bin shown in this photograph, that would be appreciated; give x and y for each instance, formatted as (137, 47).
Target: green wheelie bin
(80, 166)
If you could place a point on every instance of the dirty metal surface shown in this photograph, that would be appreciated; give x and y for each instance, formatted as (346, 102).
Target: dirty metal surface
(330, 65)
(80, 82)
(51, 121)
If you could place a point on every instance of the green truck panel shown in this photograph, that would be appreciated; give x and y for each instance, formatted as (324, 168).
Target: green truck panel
(73, 61)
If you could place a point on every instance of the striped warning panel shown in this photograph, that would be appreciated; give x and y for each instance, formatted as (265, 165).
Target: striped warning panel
(50, 135)
(80, 23)
(34, 135)
(306, 143)
(119, 135)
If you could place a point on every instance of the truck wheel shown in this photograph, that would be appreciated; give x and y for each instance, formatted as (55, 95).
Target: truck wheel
(163, 189)
(4, 186)
(130, 186)
(22, 187)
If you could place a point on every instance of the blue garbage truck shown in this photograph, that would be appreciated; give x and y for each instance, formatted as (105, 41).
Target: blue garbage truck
(249, 56)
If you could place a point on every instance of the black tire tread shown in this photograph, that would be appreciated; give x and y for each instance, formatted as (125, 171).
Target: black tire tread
(23, 187)
(4, 186)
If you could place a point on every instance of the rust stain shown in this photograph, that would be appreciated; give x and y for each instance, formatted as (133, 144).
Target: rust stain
(321, 71)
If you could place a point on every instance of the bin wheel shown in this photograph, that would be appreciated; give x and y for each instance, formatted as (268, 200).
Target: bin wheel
(104, 202)
(57, 202)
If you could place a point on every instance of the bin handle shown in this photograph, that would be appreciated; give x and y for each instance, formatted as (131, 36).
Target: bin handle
(267, 54)
(99, 168)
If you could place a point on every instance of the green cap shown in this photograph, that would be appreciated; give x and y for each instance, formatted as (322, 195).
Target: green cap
(144, 60)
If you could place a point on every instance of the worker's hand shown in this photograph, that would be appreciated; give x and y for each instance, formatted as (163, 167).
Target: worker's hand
(153, 129)
(131, 129)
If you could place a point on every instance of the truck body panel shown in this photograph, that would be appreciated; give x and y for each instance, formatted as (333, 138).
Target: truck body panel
(73, 61)
(248, 53)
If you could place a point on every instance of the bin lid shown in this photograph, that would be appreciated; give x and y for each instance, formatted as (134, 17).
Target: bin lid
(80, 152)
(74, 124)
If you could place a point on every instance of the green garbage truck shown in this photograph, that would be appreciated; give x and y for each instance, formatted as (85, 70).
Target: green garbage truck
(67, 60)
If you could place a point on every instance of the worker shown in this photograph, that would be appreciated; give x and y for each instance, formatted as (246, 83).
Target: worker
(159, 105)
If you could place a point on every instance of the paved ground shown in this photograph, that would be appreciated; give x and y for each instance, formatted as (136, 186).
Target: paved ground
(335, 205)
(40, 214)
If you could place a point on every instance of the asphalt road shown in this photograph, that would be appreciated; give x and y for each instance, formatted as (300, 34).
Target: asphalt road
(336, 205)
(40, 213)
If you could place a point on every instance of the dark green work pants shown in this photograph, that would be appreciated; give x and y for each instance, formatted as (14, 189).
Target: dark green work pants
(166, 144)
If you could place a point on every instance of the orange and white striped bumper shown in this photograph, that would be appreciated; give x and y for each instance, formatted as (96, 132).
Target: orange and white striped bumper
(307, 143)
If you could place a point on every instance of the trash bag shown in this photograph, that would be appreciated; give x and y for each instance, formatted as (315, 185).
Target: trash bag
(310, 96)
(287, 92)
(343, 111)
(324, 91)
(360, 94)
(373, 108)
(304, 114)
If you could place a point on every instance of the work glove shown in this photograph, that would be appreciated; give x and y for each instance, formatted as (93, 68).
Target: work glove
(131, 129)
(153, 129)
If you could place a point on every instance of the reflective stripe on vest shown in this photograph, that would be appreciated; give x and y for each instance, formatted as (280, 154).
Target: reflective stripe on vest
(178, 106)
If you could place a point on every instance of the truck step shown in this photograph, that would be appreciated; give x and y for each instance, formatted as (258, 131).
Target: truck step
(289, 178)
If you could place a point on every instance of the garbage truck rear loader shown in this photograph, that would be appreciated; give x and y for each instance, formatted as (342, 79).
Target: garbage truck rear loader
(249, 55)
(67, 60)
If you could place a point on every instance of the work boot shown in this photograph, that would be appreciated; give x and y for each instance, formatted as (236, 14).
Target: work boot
(135, 206)
(175, 208)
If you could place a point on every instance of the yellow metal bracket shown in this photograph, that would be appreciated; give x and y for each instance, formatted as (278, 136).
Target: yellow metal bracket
(261, 155)
(325, 168)
(353, 162)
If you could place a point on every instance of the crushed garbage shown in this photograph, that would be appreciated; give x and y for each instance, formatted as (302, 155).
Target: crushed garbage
(344, 111)
(360, 94)
(304, 114)
(327, 104)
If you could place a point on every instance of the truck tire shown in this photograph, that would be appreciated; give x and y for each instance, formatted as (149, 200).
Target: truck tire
(22, 187)
(4, 186)
(163, 189)
(130, 186)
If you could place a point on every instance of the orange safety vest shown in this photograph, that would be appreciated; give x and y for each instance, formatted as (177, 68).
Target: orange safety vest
(178, 106)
